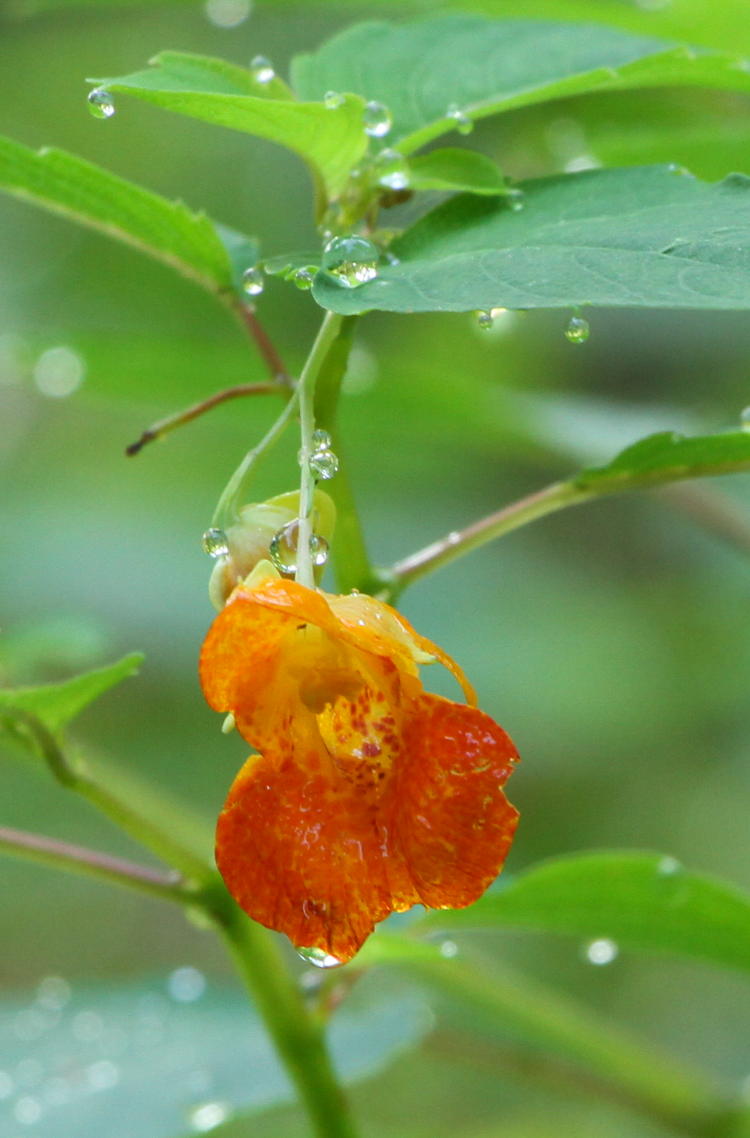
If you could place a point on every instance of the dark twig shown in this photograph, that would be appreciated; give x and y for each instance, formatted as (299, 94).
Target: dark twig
(158, 430)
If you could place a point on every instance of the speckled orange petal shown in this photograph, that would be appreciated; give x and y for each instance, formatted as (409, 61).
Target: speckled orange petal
(301, 850)
(453, 823)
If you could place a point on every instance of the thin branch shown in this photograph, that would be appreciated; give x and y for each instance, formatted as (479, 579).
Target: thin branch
(163, 426)
(92, 863)
(265, 345)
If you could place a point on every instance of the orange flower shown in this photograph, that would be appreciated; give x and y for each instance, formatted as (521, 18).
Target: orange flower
(369, 795)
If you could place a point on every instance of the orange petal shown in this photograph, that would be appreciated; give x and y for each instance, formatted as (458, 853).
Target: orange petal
(453, 822)
(301, 851)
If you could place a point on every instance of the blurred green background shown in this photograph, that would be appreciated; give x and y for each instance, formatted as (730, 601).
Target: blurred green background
(611, 641)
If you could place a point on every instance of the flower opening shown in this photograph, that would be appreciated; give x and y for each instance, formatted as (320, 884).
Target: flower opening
(368, 794)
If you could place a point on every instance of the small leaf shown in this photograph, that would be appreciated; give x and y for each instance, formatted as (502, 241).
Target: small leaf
(482, 67)
(667, 457)
(169, 231)
(331, 140)
(55, 705)
(641, 237)
(639, 901)
(182, 1054)
(456, 170)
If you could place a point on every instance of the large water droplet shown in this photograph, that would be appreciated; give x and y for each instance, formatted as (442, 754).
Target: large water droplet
(392, 170)
(461, 120)
(321, 440)
(214, 543)
(283, 549)
(101, 103)
(352, 260)
(208, 1115)
(324, 464)
(261, 69)
(332, 100)
(253, 281)
(377, 119)
(578, 330)
(601, 951)
(186, 985)
(485, 320)
(227, 13)
(318, 957)
(303, 278)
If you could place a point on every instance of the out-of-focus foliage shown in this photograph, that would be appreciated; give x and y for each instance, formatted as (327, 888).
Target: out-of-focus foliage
(610, 640)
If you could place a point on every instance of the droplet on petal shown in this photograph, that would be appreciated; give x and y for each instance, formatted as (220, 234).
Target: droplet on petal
(318, 957)
(215, 543)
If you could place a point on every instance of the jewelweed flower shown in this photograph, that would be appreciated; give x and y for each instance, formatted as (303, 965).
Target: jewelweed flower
(368, 794)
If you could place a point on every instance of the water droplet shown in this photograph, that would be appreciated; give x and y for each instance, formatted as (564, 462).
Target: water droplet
(253, 281)
(745, 419)
(392, 170)
(214, 542)
(449, 949)
(601, 951)
(318, 957)
(53, 993)
(283, 549)
(185, 985)
(324, 464)
(102, 1075)
(515, 200)
(377, 119)
(261, 69)
(227, 13)
(101, 103)
(59, 372)
(668, 867)
(461, 120)
(303, 278)
(27, 1110)
(352, 260)
(485, 320)
(332, 100)
(321, 440)
(578, 330)
(208, 1115)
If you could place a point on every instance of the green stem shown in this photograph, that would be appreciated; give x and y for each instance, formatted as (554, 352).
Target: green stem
(327, 335)
(351, 561)
(92, 863)
(72, 776)
(460, 542)
(298, 1036)
(226, 508)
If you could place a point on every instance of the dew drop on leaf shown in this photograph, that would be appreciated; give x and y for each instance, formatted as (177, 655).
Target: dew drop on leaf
(252, 282)
(485, 320)
(578, 330)
(101, 103)
(303, 278)
(377, 119)
(318, 957)
(351, 260)
(461, 120)
(261, 69)
(601, 951)
(392, 170)
(332, 100)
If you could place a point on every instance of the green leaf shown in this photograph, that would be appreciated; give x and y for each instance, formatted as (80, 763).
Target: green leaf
(485, 66)
(456, 170)
(640, 901)
(641, 237)
(169, 231)
(159, 1053)
(331, 141)
(667, 457)
(55, 705)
